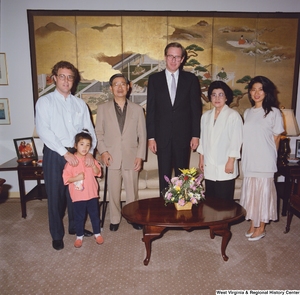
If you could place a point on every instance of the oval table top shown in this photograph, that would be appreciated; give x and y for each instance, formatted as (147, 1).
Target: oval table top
(211, 211)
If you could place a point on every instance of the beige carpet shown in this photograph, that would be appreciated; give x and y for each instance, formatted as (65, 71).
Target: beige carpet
(181, 262)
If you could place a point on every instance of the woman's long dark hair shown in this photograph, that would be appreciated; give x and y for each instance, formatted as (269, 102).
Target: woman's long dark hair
(270, 91)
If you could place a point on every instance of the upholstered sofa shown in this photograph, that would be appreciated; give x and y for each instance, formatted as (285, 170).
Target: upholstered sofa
(148, 179)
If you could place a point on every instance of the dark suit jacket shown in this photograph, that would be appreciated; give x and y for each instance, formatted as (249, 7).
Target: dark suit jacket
(179, 122)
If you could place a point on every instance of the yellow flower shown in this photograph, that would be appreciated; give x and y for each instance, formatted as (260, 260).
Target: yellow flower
(185, 171)
(177, 187)
(192, 171)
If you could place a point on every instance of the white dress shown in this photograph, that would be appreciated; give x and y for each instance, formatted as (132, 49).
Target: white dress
(259, 163)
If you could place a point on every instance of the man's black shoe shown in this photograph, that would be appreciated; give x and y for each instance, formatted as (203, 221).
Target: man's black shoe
(137, 226)
(114, 227)
(86, 233)
(58, 244)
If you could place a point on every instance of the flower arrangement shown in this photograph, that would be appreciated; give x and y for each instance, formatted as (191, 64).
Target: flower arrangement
(185, 188)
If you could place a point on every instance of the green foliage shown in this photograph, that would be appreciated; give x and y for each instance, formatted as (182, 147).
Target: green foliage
(192, 62)
(194, 47)
(201, 69)
(245, 79)
(237, 92)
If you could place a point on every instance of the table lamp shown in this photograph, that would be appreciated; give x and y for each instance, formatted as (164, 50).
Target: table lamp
(291, 129)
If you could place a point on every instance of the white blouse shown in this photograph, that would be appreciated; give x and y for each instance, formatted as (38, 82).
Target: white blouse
(220, 140)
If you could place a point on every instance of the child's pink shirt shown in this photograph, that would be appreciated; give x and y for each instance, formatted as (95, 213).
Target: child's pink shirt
(90, 184)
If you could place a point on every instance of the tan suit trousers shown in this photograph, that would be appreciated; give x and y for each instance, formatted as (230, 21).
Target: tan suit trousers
(114, 182)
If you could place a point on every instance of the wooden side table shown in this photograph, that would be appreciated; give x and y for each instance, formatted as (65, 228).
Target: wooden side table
(285, 170)
(27, 172)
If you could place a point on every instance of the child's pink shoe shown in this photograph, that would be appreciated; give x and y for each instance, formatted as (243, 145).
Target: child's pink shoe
(99, 240)
(78, 243)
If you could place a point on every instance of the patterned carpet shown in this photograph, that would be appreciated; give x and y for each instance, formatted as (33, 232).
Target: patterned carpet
(181, 262)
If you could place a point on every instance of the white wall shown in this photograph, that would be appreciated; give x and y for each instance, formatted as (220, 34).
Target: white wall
(14, 41)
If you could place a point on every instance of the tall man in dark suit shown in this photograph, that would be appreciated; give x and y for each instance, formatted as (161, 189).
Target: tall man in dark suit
(173, 114)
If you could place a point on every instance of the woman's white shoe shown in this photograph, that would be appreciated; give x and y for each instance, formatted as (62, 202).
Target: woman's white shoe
(248, 235)
(258, 237)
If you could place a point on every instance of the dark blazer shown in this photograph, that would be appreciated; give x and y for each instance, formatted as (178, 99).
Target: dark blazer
(179, 122)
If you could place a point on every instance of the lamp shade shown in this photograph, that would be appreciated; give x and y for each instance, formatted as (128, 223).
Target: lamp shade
(290, 123)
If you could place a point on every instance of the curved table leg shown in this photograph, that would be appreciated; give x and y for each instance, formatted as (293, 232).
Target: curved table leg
(222, 230)
(22, 194)
(149, 234)
(289, 220)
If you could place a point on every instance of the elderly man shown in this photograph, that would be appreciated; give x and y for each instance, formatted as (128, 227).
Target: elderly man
(121, 134)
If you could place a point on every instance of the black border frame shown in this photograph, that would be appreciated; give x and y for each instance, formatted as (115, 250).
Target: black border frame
(26, 139)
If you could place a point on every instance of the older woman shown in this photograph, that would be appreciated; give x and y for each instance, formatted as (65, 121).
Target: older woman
(220, 143)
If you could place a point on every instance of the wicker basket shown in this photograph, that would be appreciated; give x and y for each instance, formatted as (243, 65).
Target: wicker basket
(186, 206)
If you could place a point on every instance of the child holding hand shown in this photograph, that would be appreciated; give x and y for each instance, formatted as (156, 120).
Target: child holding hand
(83, 188)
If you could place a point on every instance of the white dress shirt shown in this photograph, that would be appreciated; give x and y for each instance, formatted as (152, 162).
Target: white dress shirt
(59, 119)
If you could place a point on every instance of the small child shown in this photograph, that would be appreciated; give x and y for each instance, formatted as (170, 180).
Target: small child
(83, 188)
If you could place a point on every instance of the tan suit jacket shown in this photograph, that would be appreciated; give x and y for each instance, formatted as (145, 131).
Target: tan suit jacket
(125, 147)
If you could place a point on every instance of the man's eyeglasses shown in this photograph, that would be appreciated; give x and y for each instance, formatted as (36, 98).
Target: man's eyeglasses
(215, 95)
(63, 77)
(122, 84)
(171, 57)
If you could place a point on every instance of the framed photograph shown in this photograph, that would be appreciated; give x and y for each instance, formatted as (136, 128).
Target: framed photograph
(297, 151)
(3, 70)
(4, 112)
(25, 148)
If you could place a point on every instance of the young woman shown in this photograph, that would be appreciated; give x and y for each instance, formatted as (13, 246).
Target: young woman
(220, 143)
(263, 125)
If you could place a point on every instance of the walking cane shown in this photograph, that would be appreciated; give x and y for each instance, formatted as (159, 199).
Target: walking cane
(104, 203)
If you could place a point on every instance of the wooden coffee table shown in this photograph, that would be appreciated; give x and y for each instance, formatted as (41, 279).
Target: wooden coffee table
(216, 214)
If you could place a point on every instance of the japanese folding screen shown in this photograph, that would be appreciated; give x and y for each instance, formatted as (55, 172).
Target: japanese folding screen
(233, 47)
